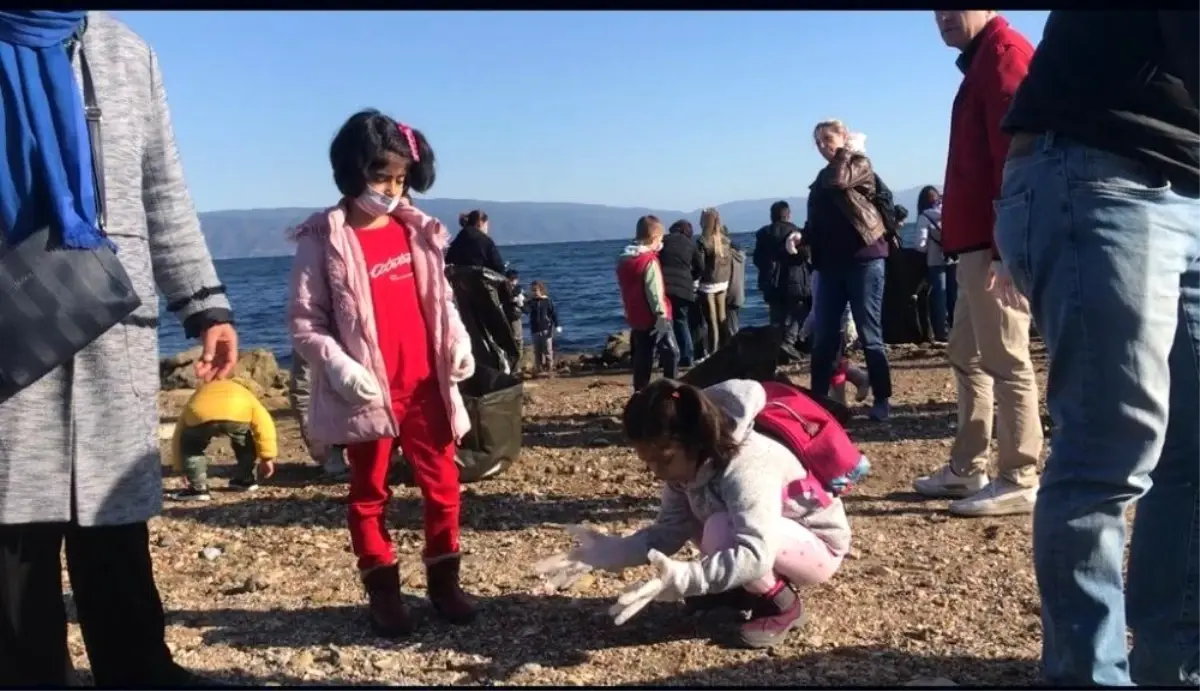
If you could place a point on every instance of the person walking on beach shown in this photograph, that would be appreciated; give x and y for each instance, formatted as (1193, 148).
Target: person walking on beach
(514, 307)
(79, 446)
(784, 278)
(1096, 224)
(735, 297)
(989, 345)
(682, 265)
(223, 408)
(647, 311)
(373, 313)
(941, 269)
(543, 323)
(714, 278)
(846, 232)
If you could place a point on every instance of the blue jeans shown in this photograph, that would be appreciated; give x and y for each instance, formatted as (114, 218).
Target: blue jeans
(1109, 257)
(680, 312)
(861, 285)
(943, 290)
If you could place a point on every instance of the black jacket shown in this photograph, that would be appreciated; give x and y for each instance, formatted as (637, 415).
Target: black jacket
(681, 263)
(781, 275)
(473, 247)
(543, 318)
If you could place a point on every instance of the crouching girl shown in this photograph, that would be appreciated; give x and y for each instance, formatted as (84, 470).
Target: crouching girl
(763, 528)
(373, 315)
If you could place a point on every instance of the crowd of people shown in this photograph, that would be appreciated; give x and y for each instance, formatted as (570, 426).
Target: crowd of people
(1071, 191)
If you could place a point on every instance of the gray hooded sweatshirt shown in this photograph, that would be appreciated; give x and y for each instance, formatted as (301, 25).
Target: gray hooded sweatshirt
(751, 490)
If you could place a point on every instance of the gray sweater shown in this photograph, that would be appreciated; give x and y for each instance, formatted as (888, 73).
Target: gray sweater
(750, 490)
(89, 429)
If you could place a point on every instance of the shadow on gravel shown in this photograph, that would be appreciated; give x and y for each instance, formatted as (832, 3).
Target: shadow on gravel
(512, 630)
(481, 512)
(894, 504)
(861, 666)
(594, 430)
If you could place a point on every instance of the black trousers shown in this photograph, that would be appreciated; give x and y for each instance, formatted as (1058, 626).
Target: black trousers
(119, 609)
(644, 345)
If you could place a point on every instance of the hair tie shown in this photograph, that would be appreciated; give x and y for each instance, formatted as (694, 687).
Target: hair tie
(412, 141)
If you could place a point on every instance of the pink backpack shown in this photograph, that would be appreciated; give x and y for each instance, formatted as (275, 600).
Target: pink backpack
(809, 431)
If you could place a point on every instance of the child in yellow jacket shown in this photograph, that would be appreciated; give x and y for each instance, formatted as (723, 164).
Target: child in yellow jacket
(223, 407)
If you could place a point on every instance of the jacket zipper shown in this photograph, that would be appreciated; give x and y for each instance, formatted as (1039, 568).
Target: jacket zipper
(370, 337)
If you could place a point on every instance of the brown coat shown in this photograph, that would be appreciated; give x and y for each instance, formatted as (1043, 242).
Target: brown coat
(852, 176)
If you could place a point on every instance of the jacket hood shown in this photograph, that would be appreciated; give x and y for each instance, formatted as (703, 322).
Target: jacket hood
(740, 399)
(633, 250)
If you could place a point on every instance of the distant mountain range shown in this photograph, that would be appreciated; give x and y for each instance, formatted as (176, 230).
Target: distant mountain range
(261, 232)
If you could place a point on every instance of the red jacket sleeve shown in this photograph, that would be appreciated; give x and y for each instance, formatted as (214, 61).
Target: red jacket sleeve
(998, 88)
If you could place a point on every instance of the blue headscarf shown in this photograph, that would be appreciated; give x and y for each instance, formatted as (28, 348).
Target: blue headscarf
(46, 172)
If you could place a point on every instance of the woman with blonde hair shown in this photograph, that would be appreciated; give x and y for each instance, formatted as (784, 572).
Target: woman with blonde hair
(847, 236)
(714, 279)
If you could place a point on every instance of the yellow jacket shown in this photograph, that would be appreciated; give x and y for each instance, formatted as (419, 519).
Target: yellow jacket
(225, 400)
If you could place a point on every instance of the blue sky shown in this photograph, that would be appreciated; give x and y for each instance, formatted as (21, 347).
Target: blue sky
(671, 110)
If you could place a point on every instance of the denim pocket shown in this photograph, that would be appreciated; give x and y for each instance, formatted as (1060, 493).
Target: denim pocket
(1096, 171)
(1012, 236)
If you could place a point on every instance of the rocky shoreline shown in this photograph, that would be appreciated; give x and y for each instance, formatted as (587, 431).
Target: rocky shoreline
(260, 367)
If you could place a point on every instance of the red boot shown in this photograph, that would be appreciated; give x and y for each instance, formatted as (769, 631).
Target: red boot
(776, 614)
(390, 617)
(445, 592)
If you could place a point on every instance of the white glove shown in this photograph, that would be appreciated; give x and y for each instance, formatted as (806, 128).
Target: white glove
(668, 586)
(558, 329)
(464, 363)
(590, 550)
(792, 243)
(350, 380)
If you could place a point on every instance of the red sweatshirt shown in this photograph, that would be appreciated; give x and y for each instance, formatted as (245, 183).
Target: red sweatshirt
(993, 67)
(403, 336)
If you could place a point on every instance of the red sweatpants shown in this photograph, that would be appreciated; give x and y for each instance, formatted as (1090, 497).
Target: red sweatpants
(428, 444)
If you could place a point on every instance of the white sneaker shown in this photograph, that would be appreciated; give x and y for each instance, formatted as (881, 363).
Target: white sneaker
(946, 484)
(1000, 498)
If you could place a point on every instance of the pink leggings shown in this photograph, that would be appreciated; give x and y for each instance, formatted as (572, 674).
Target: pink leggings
(803, 558)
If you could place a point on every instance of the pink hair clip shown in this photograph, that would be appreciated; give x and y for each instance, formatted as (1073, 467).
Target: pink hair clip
(412, 141)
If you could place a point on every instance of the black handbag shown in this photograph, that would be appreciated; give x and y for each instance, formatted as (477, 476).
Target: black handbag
(54, 302)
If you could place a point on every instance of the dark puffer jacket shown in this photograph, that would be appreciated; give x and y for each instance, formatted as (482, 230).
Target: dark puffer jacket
(681, 263)
(781, 276)
(473, 247)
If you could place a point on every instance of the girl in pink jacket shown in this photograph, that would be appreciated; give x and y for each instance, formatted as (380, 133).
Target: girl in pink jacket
(372, 313)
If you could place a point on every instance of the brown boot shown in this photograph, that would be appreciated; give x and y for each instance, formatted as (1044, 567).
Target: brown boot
(447, 596)
(390, 617)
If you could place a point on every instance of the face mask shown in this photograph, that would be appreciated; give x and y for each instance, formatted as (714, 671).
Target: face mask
(375, 203)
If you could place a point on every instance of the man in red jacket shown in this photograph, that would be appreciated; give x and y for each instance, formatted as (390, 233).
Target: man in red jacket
(989, 344)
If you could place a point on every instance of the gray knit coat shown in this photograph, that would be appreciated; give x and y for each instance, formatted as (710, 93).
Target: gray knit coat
(82, 443)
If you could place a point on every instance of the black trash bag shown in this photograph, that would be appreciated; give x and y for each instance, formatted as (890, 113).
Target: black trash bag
(481, 295)
(905, 301)
(753, 353)
(494, 402)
